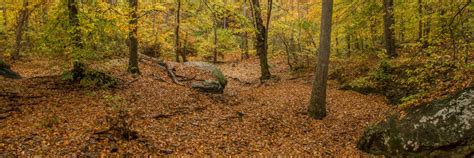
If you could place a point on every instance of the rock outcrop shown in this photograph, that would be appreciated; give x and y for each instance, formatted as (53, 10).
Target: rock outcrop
(441, 128)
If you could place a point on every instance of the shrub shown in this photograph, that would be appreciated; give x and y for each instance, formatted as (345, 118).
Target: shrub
(407, 82)
(90, 78)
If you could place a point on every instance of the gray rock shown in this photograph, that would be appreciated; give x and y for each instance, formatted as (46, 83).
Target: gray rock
(441, 128)
(208, 86)
(215, 85)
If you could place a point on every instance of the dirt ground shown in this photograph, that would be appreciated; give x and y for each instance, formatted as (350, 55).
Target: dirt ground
(40, 115)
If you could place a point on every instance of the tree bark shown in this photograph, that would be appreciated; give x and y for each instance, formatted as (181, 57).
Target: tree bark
(214, 27)
(388, 28)
(261, 41)
(269, 16)
(132, 37)
(5, 20)
(317, 107)
(245, 46)
(74, 22)
(245, 41)
(185, 48)
(348, 45)
(215, 39)
(5, 24)
(22, 19)
(76, 37)
(176, 31)
(287, 50)
(420, 20)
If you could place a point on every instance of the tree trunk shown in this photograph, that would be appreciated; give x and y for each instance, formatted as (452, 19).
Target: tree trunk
(402, 31)
(5, 20)
(348, 45)
(287, 50)
(261, 41)
(26, 29)
(269, 16)
(420, 20)
(22, 19)
(215, 40)
(132, 37)
(214, 25)
(426, 32)
(317, 107)
(74, 22)
(176, 31)
(76, 37)
(388, 28)
(185, 48)
(5, 23)
(245, 41)
(224, 23)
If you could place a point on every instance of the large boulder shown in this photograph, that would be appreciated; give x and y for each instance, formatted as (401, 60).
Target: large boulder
(214, 80)
(443, 128)
(5, 71)
(209, 86)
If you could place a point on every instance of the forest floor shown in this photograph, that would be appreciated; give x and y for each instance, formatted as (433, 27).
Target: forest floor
(40, 115)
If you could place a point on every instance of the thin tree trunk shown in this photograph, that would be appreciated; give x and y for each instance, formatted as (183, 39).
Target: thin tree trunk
(44, 17)
(132, 36)
(348, 45)
(224, 23)
(426, 28)
(176, 31)
(261, 41)
(388, 28)
(420, 20)
(317, 107)
(76, 37)
(245, 46)
(26, 30)
(153, 22)
(402, 31)
(245, 41)
(269, 16)
(215, 30)
(185, 48)
(5, 24)
(287, 49)
(451, 29)
(22, 19)
(74, 22)
(293, 45)
(5, 18)
(215, 40)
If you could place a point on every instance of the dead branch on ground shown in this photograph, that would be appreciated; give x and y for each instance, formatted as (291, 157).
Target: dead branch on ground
(163, 65)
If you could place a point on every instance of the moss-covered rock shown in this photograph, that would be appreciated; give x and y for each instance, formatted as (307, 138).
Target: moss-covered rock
(215, 84)
(440, 128)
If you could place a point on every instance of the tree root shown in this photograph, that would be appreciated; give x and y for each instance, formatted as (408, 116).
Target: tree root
(163, 65)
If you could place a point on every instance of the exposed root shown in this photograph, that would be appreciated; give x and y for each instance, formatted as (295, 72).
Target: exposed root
(163, 65)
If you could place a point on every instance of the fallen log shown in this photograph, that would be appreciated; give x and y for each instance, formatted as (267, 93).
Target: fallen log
(163, 65)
